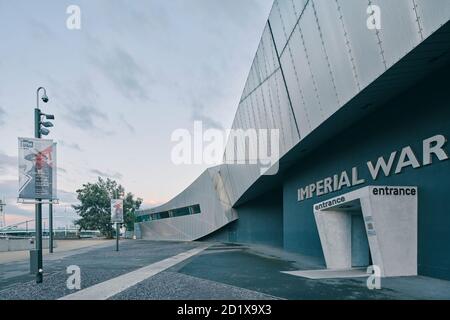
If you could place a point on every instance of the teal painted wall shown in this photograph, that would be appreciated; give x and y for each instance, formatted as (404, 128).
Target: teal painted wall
(420, 113)
(260, 222)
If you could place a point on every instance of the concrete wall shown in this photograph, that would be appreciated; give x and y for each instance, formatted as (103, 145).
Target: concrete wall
(420, 113)
(21, 245)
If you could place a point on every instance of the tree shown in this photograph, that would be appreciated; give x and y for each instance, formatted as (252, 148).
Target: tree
(95, 206)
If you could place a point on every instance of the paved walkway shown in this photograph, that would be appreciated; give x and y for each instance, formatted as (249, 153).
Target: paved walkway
(195, 270)
(110, 288)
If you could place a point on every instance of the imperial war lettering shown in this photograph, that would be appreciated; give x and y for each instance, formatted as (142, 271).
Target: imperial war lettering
(432, 148)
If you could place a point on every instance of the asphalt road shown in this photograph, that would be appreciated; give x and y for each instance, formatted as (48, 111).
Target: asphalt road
(219, 272)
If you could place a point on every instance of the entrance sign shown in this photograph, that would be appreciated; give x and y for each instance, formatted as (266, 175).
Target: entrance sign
(375, 225)
(37, 169)
(116, 210)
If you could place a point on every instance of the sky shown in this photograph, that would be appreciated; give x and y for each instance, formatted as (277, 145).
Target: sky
(119, 87)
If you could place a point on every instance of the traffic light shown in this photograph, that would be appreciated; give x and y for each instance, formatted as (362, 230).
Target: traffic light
(43, 125)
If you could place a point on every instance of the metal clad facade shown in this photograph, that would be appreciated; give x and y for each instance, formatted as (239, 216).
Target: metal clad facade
(314, 57)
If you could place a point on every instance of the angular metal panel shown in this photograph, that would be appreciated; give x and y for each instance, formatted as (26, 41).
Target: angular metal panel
(334, 40)
(263, 109)
(250, 111)
(244, 92)
(288, 16)
(242, 176)
(241, 156)
(273, 104)
(215, 207)
(276, 23)
(399, 32)
(276, 105)
(306, 81)
(251, 80)
(322, 77)
(255, 107)
(227, 182)
(363, 42)
(265, 91)
(250, 83)
(235, 146)
(295, 92)
(260, 60)
(298, 5)
(288, 126)
(256, 74)
(269, 52)
(432, 14)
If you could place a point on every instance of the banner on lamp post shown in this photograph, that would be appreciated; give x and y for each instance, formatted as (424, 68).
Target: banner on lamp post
(116, 210)
(37, 169)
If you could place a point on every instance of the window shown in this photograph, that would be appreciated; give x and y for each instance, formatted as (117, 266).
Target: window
(196, 209)
(181, 212)
(178, 212)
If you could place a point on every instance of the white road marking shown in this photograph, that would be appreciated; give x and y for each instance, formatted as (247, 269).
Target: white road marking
(329, 273)
(109, 288)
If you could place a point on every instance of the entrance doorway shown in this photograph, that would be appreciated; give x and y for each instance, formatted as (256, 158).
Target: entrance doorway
(360, 249)
(370, 226)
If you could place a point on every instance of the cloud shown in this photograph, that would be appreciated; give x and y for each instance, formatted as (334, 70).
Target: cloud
(125, 16)
(208, 122)
(80, 102)
(7, 162)
(40, 30)
(86, 117)
(67, 197)
(9, 190)
(199, 114)
(74, 146)
(111, 175)
(127, 124)
(124, 72)
(60, 169)
(2, 116)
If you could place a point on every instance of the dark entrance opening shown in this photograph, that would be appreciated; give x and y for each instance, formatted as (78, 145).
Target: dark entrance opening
(360, 243)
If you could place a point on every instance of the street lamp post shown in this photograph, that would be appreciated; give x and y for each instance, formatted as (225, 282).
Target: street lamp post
(117, 236)
(117, 228)
(50, 227)
(38, 205)
(39, 130)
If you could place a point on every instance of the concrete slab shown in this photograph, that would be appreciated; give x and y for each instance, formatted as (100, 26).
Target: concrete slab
(329, 273)
(63, 246)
